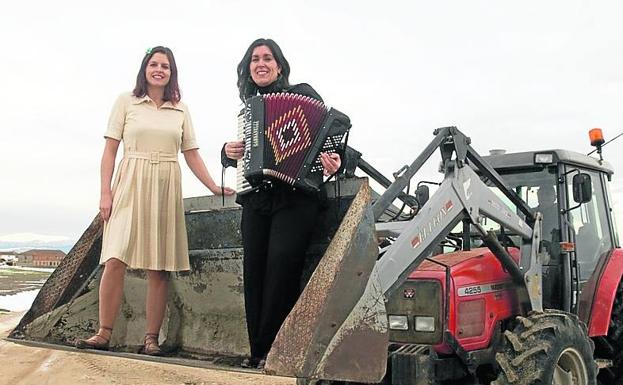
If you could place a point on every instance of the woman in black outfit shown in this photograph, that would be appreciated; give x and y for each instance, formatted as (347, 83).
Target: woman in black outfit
(277, 219)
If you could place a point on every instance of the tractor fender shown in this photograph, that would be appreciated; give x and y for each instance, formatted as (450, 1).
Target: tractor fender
(599, 293)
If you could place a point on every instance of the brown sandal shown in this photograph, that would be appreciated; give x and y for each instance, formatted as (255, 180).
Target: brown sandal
(150, 345)
(97, 341)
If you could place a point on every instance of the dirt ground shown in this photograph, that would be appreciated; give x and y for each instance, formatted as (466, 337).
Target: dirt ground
(23, 365)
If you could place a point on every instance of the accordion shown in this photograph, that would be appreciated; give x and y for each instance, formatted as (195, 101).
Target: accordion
(284, 135)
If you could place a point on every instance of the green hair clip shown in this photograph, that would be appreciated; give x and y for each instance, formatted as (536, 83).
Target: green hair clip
(148, 52)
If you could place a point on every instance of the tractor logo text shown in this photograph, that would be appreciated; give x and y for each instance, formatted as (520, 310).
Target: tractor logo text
(427, 229)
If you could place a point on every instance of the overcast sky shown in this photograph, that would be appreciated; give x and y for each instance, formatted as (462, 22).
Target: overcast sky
(515, 75)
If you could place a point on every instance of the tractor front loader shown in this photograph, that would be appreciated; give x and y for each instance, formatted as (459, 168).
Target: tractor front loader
(509, 274)
(425, 306)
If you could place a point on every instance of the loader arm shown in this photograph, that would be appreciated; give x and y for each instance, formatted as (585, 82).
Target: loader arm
(338, 328)
(462, 195)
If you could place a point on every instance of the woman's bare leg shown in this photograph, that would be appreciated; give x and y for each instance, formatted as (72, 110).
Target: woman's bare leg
(157, 293)
(111, 292)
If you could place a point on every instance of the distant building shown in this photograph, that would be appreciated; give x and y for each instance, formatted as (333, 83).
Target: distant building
(8, 257)
(40, 258)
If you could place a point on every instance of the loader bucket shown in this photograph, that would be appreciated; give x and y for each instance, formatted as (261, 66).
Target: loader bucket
(337, 330)
(204, 324)
(68, 279)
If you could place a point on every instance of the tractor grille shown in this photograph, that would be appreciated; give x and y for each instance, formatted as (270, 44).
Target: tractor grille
(417, 298)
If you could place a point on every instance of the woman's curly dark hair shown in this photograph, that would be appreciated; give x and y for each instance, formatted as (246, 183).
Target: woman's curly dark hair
(246, 85)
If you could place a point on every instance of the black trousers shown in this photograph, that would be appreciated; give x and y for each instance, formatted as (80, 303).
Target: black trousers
(275, 238)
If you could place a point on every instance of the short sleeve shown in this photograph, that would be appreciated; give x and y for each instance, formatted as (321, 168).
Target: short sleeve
(189, 142)
(116, 121)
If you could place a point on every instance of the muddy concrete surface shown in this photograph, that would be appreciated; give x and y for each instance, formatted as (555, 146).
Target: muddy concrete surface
(26, 365)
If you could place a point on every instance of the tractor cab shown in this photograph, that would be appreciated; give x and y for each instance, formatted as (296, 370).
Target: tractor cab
(571, 191)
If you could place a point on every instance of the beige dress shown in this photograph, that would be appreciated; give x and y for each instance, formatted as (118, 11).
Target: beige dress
(146, 228)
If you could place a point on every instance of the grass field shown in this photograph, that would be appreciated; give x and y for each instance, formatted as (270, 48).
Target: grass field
(13, 281)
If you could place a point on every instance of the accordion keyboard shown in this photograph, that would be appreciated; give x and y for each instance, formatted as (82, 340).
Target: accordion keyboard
(242, 184)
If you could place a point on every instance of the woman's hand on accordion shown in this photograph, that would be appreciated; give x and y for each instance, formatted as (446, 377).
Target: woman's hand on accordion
(331, 162)
(234, 150)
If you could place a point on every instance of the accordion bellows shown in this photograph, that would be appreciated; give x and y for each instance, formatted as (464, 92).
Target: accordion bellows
(284, 134)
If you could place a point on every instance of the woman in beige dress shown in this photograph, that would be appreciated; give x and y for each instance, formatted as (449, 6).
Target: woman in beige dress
(144, 224)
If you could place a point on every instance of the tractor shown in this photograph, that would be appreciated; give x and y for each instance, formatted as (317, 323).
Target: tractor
(475, 327)
(509, 273)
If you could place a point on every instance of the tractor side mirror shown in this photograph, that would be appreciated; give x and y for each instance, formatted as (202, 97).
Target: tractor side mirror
(422, 194)
(582, 188)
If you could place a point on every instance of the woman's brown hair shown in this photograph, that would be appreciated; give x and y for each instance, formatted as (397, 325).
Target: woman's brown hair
(172, 89)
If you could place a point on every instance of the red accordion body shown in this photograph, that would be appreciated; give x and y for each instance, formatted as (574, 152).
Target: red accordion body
(284, 134)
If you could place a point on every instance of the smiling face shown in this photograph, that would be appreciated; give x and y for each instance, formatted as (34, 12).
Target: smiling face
(264, 68)
(158, 71)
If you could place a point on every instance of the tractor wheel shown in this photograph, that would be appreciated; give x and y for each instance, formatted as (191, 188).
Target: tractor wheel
(547, 348)
(611, 346)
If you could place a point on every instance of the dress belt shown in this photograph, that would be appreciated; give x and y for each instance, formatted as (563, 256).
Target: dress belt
(154, 157)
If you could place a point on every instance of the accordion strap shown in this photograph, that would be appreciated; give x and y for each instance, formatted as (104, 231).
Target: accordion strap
(223, 184)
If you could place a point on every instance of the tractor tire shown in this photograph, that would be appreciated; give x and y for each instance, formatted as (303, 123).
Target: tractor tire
(611, 346)
(550, 347)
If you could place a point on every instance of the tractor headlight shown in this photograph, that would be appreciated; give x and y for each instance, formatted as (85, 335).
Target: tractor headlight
(424, 324)
(398, 322)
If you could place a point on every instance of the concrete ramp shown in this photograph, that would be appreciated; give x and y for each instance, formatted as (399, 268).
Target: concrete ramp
(338, 328)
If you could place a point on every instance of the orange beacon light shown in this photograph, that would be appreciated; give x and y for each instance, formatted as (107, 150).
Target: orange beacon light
(596, 137)
(597, 140)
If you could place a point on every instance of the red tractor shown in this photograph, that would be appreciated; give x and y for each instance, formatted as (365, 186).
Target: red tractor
(509, 274)
(476, 327)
